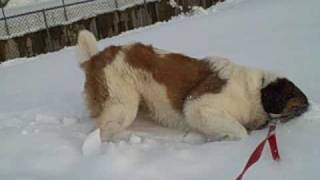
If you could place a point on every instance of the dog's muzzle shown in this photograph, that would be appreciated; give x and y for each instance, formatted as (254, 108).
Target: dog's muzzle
(290, 114)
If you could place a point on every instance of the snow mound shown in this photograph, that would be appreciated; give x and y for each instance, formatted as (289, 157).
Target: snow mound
(92, 143)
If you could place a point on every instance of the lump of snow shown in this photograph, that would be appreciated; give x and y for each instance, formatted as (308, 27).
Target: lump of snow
(92, 144)
(135, 139)
(24, 132)
(193, 138)
(199, 10)
(67, 121)
(36, 131)
(46, 119)
(173, 3)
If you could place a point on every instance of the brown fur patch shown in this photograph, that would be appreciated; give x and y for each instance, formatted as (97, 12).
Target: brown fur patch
(96, 88)
(296, 103)
(212, 84)
(180, 74)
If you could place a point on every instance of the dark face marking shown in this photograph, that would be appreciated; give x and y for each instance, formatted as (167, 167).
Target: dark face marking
(284, 98)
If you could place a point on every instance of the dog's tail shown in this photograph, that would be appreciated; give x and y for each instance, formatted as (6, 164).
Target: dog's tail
(87, 46)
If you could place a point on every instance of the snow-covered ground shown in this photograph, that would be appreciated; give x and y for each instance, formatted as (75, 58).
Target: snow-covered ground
(43, 121)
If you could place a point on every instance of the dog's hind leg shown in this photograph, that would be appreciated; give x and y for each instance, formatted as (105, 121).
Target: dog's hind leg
(118, 114)
(120, 109)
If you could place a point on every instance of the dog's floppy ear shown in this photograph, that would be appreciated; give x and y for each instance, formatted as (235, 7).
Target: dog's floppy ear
(283, 96)
(272, 97)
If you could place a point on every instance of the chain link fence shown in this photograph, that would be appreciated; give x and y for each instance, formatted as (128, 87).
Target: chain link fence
(26, 33)
(17, 25)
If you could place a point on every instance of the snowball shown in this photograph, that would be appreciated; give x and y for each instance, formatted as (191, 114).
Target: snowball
(67, 121)
(193, 138)
(92, 144)
(47, 119)
(24, 132)
(135, 139)
(36, 131)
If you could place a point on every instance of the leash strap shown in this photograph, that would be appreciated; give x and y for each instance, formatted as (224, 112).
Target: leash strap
(255, 156)
(272, 140)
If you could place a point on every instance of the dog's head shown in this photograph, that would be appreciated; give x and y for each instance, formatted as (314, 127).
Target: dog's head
(282, 98)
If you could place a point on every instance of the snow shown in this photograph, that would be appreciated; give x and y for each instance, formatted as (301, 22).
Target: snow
(44, 125)
(174, 4)
(67, 121)
(135, 139)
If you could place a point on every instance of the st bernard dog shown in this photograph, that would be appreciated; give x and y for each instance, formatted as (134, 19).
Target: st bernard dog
(211, 96)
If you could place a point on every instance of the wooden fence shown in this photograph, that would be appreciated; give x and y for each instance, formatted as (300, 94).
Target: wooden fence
(104, 25)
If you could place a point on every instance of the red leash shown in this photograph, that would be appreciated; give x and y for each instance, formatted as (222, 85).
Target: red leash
(255, 156)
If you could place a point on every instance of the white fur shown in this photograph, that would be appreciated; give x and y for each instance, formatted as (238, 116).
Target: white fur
(87, 46)
(225, 114)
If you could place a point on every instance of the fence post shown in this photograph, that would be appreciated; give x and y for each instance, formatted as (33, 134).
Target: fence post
(148, 18)
(67, 19)
(145, 5)
(157, 11)
(116, 4)
(65, 10)
(47, 28)
(5, 21)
